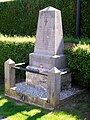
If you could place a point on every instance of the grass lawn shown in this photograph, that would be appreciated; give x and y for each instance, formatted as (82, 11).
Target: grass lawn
(13, 110)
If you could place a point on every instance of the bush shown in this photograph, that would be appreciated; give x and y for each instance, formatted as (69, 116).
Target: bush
(19, 17)
(16, 48)
(79, 63)
(76, 41)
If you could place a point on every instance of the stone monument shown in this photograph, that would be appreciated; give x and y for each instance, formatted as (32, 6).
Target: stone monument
(49, 47)
(47, 80)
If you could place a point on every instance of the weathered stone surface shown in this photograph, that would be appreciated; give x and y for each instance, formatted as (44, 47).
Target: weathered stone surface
(49, 37)
(9, 74)
(41, 80)
(48, 61)
(65, 81)
(36, 80)
(54, 86)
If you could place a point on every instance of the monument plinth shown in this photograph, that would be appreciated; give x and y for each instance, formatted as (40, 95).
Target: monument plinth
(49, 46)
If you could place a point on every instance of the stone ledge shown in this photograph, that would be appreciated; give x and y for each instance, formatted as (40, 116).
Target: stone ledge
(21, 93)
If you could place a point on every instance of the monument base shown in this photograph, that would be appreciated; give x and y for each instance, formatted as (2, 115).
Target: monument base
(39, 80)
(38, 96)
(48, 61)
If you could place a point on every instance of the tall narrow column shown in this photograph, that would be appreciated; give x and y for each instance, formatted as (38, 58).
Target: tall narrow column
(54, 86)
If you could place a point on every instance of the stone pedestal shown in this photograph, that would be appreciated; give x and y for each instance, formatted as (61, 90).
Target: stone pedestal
(41, 80)
(48, 61)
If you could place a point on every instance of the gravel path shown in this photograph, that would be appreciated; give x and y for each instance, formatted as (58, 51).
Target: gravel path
(41, 92)
(31, 90)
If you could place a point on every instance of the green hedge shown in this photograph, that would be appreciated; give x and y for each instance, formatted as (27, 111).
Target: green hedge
(16, 48)
(19, 17)
(79, 63)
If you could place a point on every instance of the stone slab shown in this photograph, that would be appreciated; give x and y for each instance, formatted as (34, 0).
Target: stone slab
(48, 61)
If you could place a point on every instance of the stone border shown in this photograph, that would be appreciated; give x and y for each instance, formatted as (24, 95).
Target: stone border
(22, 96)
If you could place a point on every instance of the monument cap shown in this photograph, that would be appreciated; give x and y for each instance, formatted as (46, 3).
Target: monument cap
(50, 8)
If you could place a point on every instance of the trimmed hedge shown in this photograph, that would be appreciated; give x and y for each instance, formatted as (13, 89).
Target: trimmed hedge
(19, 17)
(79, 63)
(16, 48)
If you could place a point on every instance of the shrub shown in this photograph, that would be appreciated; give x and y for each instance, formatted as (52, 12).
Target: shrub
(76, 41)
(16, 48)
(79, 63)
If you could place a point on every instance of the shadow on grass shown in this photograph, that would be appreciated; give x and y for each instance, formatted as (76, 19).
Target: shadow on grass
(20, 111)
(13, 110)
(10, 108)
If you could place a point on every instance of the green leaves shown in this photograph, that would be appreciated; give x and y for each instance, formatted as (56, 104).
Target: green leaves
(16, 48)
(79, 63)
(19, 17)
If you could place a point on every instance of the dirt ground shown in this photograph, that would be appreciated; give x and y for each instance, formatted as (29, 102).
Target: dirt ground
(87, 100)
